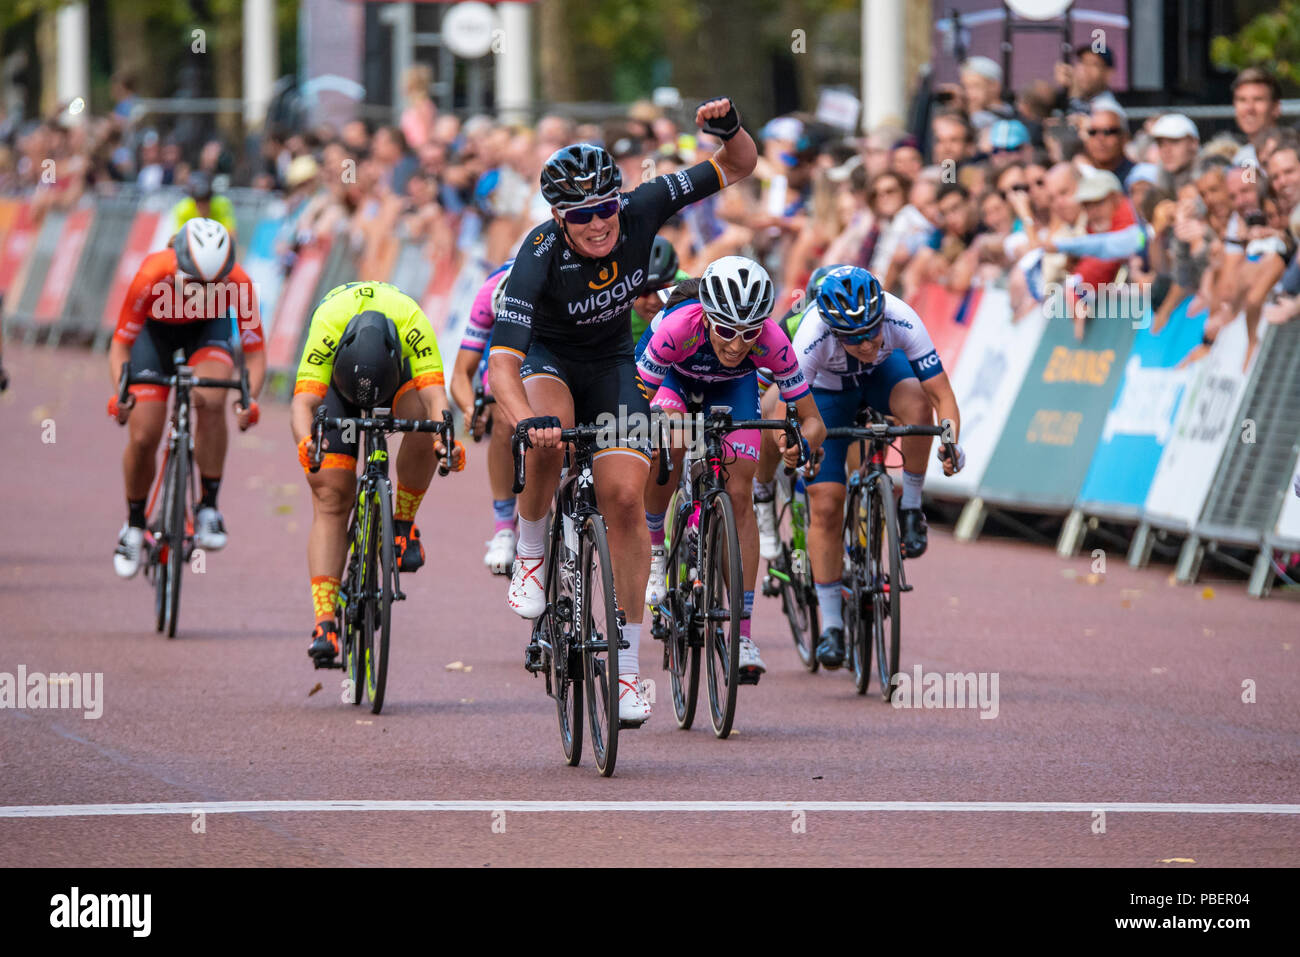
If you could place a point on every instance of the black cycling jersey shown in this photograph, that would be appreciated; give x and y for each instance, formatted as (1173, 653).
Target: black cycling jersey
(578, 307)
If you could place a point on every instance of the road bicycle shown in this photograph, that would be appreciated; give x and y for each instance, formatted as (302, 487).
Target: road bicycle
(874, 580)
(169, 542)
(371, 582)
(702, 610)
(576, 640)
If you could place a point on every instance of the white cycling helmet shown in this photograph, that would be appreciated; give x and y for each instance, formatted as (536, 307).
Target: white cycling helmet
(204, 250)
(499, 293)
(737, 292)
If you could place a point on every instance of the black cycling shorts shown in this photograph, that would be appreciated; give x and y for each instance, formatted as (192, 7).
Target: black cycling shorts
(154, 347)
(601, 389)
(337, 407)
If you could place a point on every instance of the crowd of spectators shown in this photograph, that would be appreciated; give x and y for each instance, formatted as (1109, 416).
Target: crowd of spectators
(1052, 191)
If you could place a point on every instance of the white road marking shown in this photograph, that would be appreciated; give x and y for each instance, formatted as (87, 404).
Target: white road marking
(652, 807)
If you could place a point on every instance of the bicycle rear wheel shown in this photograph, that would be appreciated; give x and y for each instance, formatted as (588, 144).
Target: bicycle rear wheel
(858, 614)
(721, 613)
(382, 563)
(683, 653)
(177, 516)
(886, 595)
(598, 636)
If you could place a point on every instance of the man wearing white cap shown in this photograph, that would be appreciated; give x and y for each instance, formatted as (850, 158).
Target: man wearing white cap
(1178, 140)
(981, 81)
(1113, 236)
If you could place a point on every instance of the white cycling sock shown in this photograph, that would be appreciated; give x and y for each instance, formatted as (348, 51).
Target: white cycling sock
(629, 660)
(532, 538)
(913, 482)
(831, 604)
(764, 490)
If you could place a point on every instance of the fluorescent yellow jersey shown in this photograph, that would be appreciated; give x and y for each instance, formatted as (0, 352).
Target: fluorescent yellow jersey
(222, 210)
(422, 363)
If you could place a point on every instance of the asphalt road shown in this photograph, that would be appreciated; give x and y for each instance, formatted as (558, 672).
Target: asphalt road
(1113, 689)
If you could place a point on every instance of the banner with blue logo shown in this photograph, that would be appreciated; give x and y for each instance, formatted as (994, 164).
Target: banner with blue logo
(1141, 419)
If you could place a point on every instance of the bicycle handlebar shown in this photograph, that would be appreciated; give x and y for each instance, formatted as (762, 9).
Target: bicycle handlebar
(127, 379)
(881, 431)
(481, 402)
(445, 428)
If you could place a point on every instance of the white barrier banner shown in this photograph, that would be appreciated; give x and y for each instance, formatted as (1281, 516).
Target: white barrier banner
(1288, 522)
(1206, 423)
(993, 364)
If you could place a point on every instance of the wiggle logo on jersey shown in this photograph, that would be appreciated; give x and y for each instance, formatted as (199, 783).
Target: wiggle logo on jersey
(605, 276)
(620, 290)
(543, 244)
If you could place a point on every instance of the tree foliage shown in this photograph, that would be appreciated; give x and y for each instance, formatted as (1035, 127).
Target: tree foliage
(1271, 40)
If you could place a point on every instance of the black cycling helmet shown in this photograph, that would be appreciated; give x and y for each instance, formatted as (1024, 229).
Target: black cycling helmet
(368, 364)
(663, 265)
(199, 185)
(575, 175)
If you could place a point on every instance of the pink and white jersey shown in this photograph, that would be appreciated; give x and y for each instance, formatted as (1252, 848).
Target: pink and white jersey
(679, 340)
(478, 330)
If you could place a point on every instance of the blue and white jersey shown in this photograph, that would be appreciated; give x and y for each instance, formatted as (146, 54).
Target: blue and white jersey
(826, 365)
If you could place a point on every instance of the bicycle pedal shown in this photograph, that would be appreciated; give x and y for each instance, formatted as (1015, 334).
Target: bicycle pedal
(533, 661)
(629, 725)
(748, 677)
(331, 663)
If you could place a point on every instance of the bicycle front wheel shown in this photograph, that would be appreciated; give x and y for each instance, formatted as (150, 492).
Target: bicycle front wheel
(886, 578)
(721, 610)
(683, 653)
(556, 628)
(382, 563)
(598, 636)
(179, 513)
(859, 617)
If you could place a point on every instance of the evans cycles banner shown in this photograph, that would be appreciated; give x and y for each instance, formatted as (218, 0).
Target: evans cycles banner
(1141, 419)
(994, 357)
(1053, 428)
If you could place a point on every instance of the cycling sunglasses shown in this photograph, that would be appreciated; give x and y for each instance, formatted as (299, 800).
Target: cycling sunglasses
(727, 333)
(585, 214)
(858, 339)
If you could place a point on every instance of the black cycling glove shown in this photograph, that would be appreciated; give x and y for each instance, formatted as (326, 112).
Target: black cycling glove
(537, 422)
(724, 127)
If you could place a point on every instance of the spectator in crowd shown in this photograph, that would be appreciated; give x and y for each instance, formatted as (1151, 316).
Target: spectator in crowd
(1009, 143)
(905, 158)
(981, 82)
(1106, 137)
(420, 114)
(1284, 173)
(952, 138)
(1178, 141)
(1256, 106)
(1088, 78)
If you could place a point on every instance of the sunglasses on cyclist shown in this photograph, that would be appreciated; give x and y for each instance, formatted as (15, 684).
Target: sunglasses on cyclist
(727, 333)
(858, 339)
(585, 214)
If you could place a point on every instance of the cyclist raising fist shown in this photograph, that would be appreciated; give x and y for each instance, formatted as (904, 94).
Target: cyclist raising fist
(562, 349)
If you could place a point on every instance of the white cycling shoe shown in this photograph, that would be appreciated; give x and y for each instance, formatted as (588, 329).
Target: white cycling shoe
(769, 544)
(749, 657)
(209, 530)
(126, 557)
(656, 588)
(501, 552)
(633, 705)
(527, 596)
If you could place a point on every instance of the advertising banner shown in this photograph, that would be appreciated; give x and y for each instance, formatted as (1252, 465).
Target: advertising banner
(1141, 419)
(1206, 421)
(62, 271)
(994, 358)
(1053, 428)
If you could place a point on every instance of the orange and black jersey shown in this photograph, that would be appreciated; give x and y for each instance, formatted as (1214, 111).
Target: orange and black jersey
(156, 295)
(578, 307)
